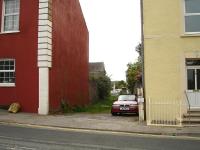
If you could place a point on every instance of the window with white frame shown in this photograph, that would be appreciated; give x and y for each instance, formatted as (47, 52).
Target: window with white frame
(192, 16)
(7, 72)
(10, 17)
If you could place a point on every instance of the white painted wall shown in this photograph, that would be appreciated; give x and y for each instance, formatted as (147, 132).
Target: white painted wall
(43, 91)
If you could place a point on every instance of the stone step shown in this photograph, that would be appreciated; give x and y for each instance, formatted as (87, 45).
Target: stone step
(191, 120)
(194, 110)
(192, 115)
(191, 125)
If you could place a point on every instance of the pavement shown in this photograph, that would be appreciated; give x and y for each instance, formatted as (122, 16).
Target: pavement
(97, 122)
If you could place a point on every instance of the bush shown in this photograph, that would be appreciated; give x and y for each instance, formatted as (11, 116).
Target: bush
(103, 84)
(64, 106)
(79, 109)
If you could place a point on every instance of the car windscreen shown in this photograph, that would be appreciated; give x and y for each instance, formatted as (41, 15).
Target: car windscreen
(126, 98)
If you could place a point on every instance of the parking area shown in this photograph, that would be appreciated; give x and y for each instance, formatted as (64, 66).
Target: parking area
(106, 117)
(101, 121)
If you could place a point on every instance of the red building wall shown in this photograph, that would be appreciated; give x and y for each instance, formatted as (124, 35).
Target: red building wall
(22, 47)
(69, 72)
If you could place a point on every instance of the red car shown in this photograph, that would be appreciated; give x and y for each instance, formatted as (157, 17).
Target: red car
(125, 104)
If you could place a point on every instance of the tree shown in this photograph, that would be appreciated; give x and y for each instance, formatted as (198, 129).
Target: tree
(134, 72)
(103, 86)
(133, 75)
(119, 84)
(139, 50)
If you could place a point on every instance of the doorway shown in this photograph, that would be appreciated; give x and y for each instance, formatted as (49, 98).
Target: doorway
(193, 82)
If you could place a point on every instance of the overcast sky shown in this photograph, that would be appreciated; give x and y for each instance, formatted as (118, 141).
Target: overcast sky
(114, 27)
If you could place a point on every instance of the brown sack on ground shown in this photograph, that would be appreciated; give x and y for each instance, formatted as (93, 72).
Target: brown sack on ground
(14, 108)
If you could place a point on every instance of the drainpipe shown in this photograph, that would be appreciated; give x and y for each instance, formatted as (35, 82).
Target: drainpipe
(142, 52)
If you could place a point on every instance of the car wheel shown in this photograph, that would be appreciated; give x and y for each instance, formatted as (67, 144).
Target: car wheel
(114, 114)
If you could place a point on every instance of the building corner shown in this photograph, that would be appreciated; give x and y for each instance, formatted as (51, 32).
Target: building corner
(44, 53)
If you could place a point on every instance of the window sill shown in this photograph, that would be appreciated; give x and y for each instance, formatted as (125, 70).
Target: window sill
(191, 34)
(10, 32)
(7, 84)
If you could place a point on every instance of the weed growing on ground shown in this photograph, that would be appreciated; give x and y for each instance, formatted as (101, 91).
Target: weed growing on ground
(101, 106)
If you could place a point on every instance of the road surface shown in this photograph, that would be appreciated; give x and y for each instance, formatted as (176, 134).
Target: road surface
(36, 138)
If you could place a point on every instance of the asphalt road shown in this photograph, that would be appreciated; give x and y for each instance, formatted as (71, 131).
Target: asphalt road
(34, 138)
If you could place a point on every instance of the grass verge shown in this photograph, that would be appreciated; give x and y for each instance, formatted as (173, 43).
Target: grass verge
(102, 106)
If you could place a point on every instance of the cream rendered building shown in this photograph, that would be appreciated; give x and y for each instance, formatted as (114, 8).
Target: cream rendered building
(171, 40)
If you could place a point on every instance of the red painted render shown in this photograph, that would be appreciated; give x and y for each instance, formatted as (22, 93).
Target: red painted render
(22, 47)
(69, 72)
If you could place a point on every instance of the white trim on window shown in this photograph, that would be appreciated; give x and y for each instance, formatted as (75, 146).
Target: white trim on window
(3, 19)
(11, 82)
(188, 14)
(10, 32)
(2, 16)
(7, 84)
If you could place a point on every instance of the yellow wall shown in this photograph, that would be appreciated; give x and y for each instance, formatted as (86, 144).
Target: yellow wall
(165, 49)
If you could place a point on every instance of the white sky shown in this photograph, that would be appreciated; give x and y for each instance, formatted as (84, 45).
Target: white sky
(114, 27)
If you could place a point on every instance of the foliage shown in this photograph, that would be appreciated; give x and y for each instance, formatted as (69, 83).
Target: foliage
(101, 106)
(103, 86)
(133, 75)
(79, 109)
(65, 108)
(98, 107)
(134, 71)
(119, 84)
(139, 49)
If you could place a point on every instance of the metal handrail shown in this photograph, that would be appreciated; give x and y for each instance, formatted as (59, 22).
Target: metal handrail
(188, 105)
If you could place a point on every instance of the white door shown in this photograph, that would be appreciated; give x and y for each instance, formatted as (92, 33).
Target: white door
(193, 86)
